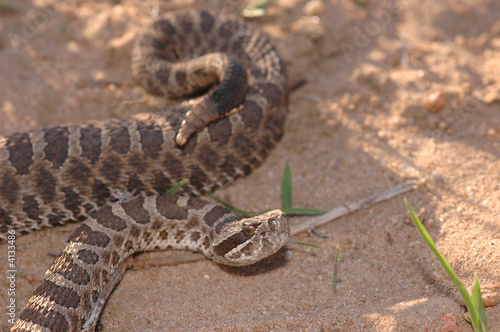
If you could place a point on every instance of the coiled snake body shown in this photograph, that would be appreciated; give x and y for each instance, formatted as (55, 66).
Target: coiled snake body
(72, 173)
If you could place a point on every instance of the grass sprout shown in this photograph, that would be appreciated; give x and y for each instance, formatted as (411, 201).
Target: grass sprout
(172, 191)
(305, 244)
(335, 270)
(286, 200)
(8, 7)
(256, 8)
(474, 302)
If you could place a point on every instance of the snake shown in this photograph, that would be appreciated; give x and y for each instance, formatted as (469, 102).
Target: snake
(112, 174)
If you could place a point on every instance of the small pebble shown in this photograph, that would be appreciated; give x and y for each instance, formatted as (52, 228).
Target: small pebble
(288, 255)
(309, 26)
(491, 95)
(491, 299)
(450, 323)
(435, 102)
(314, 8)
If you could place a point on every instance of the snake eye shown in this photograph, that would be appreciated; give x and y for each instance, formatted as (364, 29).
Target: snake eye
(248, 230)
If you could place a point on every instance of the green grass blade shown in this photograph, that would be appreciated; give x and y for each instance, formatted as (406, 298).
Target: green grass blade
(302, 212)
(172, 191)
(468, 301)
(261, 4)
(286, 187)
(256, 8)
(304, 244)
(232, 208)
(361, 2)
(8, 7)
(335, 270)
(477, 300)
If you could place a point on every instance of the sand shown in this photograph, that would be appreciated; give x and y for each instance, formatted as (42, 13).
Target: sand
(360, 124)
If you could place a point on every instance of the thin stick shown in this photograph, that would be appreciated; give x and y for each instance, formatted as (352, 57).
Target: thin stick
(350, 208)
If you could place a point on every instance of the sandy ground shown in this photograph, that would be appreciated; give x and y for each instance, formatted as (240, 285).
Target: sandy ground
(358, 126)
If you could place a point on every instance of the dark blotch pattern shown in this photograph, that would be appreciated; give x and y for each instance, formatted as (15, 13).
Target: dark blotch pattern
(46, 318)
(180, 76)
(129, 245)
(135, 184)
(7, 220)
(87, 256)
(252, 115)
(274, 122)
(192, 222)
(90, 142)
(173, 166)
(30, 207)
(86, 235)
(105, 257)
(196, 203)
(191, 144)
(118, 240)
(136, 211)
(208, 158)
(243, 146)
(72, 201)
(265, 145)
(185, 22)
(134, 231)
(207, 21)
(54, 218)
(9, 189)
(163, 235)
(101, 192)
(220, 130)
(105, 217)
(165, 27)
(151, 139)
(271, 92)
(161, 183)
(213, 215)
(138, 162)
(115, 258)
(56, 149)
(167, 207)
(156, 225)
(20, 152)
(120, 139)
(226, 30)
(206, 243)
(112, 168)
(65, 266)
(230, 165)
(147, 238)
(195, 236)
(198, 177)
(179, 236)
(61, 295)
(46, 185)
(78, 172)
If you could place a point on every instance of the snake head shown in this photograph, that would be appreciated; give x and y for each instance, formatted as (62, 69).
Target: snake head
(249, 240)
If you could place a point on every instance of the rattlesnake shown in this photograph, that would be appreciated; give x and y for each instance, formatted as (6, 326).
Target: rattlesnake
(71, 173)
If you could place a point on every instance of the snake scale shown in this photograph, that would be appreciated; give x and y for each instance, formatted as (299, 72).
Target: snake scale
(73, 173)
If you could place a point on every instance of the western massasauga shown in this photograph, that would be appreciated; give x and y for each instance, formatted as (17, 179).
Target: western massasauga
(72, 173)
